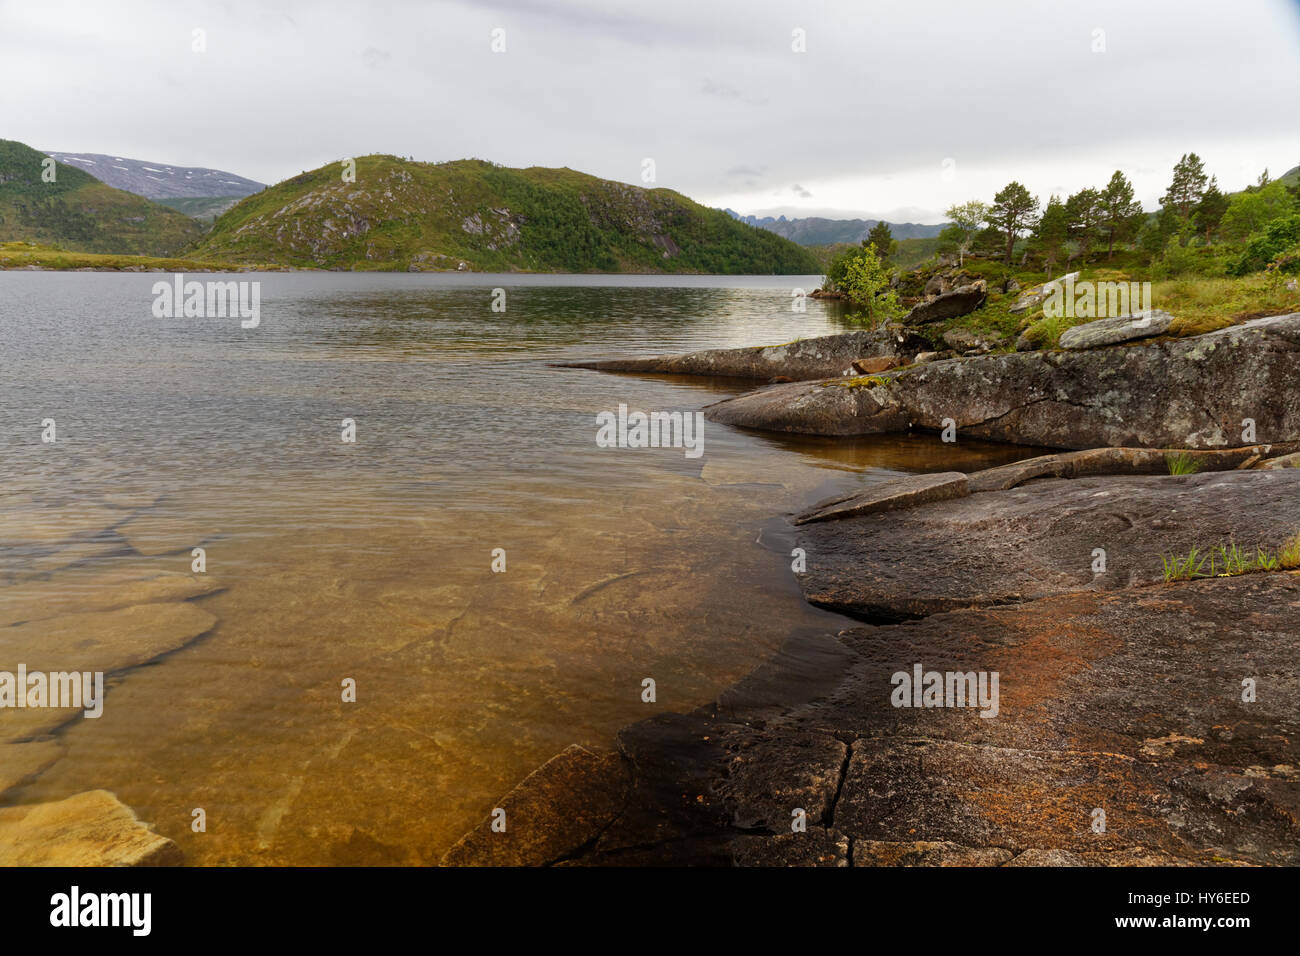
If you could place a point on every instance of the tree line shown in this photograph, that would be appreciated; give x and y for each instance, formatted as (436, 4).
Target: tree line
(1263, 219)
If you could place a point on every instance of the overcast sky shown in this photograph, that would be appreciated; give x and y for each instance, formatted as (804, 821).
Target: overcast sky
(897, 108)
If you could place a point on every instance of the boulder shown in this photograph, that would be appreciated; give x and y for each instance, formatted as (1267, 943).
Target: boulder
(90, 829)
(1039, 294)
(872, 366)
(964, 340)
(949, 305)
(1191, 392)
(1112, 331)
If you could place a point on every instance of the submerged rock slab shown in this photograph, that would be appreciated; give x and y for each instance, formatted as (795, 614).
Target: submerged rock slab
(1029, 542)
(1192, 392)
(107, 641)
(561, 806)
(48, 525)
(90, 829)
(18, 761)
(152, 535)
(105, 591)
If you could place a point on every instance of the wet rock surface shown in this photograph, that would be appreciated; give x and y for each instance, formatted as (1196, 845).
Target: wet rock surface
(1193, 392)
(1039, 539)
(1135, 723)
(826, 356)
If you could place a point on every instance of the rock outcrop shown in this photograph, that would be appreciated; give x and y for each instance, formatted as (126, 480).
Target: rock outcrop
(1119, 733)
(1038, 294)
(1198, 392)
(1041, 539)
(826, 356)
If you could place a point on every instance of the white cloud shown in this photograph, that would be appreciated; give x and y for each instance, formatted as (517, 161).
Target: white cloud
(863, 121)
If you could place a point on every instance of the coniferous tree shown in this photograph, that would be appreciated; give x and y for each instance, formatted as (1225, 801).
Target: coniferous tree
(1052, 232)
(1210, 210)
(1121, 214)
(1187, 187)
(881, 237)
(1084, 210)
(1013, 211)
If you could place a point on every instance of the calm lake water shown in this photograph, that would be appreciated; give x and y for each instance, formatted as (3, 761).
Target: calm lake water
(371, 560)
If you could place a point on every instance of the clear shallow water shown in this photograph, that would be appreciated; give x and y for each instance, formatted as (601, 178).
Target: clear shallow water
(371, 560)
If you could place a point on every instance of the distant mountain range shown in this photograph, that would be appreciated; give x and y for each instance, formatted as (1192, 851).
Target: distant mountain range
(158, 180)
(815, 231)
(196, 191)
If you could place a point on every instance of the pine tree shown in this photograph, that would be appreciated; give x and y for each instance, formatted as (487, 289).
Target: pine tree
(1121, 215)
(1187, 188)
(1084, 211)
(1013, 211)
(1053, 229)
(1210, 210)
(881, 237)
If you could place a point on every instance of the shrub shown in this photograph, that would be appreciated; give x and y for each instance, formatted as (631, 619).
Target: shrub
(1278, 237)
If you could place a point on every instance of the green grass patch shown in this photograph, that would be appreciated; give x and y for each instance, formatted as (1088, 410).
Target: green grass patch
(1229, 560)
(1181, 463)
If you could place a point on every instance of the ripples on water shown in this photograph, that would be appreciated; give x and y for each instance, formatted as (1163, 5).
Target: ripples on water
(372, 561)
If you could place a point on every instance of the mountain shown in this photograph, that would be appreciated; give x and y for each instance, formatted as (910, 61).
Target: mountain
(404, 215)
(815, 231)
(78, 212)
(158, 180)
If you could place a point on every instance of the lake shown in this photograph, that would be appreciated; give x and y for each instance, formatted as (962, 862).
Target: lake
(371, 561)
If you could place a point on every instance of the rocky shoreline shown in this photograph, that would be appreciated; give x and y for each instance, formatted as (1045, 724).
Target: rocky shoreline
(1137, 717)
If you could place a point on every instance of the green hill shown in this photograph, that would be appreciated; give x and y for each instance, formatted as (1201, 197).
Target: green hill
(80, 213)
(203, 208)
(405, 215)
